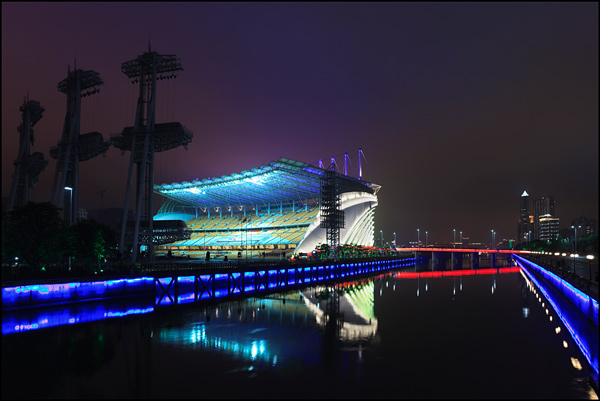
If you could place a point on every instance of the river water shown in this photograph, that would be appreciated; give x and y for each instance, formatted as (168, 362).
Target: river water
(400, 335)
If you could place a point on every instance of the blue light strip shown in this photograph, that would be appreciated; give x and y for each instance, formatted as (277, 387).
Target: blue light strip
(44, 294)
(587, 304)
(585, 344)
(189, 289)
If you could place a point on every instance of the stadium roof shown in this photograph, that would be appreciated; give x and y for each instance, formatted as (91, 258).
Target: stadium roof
(283, 180)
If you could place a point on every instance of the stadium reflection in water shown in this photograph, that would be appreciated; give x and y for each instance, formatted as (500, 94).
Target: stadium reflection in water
(399, 334)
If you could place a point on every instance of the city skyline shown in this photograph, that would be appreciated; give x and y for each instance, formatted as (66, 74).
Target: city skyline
(458, 107)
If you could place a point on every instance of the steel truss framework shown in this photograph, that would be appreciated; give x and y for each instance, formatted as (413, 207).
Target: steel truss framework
(212, 284)
(27, 166)
(332, 216)
(143, 140)
(73, 147)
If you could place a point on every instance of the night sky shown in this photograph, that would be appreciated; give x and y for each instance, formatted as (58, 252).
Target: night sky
(458, 107)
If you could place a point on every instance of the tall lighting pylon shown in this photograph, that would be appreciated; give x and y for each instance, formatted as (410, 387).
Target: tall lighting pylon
(73, 147)
(27, 167)
(143, 140)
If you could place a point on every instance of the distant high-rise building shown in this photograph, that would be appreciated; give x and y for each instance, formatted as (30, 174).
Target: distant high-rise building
(82, 214)
(541, 207)
(588, 226)
(549, 227)
(524, 220)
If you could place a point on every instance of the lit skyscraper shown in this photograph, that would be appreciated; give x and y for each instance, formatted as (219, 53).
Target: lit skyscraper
(524, 226)
(541, 207)
(548, 227)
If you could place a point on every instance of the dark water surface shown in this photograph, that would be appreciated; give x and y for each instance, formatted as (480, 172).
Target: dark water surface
(472, 336)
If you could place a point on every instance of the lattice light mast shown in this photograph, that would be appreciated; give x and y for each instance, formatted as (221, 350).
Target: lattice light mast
(332, 216)
(143, 140)
(27, 167)
(73, 147)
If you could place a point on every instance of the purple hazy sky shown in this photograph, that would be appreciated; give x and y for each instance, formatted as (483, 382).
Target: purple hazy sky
(458, 107)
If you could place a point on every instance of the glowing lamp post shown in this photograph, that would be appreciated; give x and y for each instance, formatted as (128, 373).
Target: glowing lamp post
(575, 228)
(575, 250)
(70, 214)
(70, 204)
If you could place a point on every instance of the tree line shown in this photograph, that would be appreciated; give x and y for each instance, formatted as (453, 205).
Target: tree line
(585, 245)
(37, 243)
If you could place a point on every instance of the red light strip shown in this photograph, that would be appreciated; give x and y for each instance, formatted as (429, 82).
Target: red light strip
(450, 273)
(466, 250)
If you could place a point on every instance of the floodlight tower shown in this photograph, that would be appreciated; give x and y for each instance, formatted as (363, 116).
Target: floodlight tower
(143, 140)
(27, 167)
(73, 147)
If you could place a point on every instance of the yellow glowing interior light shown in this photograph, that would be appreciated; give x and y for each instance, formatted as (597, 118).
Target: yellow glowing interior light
(576, 364)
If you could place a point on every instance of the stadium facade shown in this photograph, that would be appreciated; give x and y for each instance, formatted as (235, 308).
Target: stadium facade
(270, 210)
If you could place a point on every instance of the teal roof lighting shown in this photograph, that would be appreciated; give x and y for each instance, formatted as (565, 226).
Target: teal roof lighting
(283, 180)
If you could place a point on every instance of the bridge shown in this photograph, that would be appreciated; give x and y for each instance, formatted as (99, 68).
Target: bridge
(439, 256)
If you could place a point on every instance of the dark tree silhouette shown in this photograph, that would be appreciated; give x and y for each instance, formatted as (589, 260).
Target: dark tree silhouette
(92, 241)
(35, 234)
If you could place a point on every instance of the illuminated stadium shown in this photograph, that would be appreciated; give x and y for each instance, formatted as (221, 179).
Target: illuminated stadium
(270, 211)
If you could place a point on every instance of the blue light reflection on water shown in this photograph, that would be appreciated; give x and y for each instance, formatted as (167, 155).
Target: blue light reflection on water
(586, 339)
(35, 319)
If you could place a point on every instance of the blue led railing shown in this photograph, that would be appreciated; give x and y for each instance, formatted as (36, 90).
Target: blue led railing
(62, 302)
(575, 314)
(585, 303)
(45, 294)
(187, 289)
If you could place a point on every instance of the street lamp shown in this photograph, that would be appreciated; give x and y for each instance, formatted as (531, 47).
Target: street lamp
(461, 239)
(575, 250)
(493, 239)
(426, 238)
(395, 245)
(70, 214)
(70, 205)
(454, 237)
(418, 237)
(381, 232)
